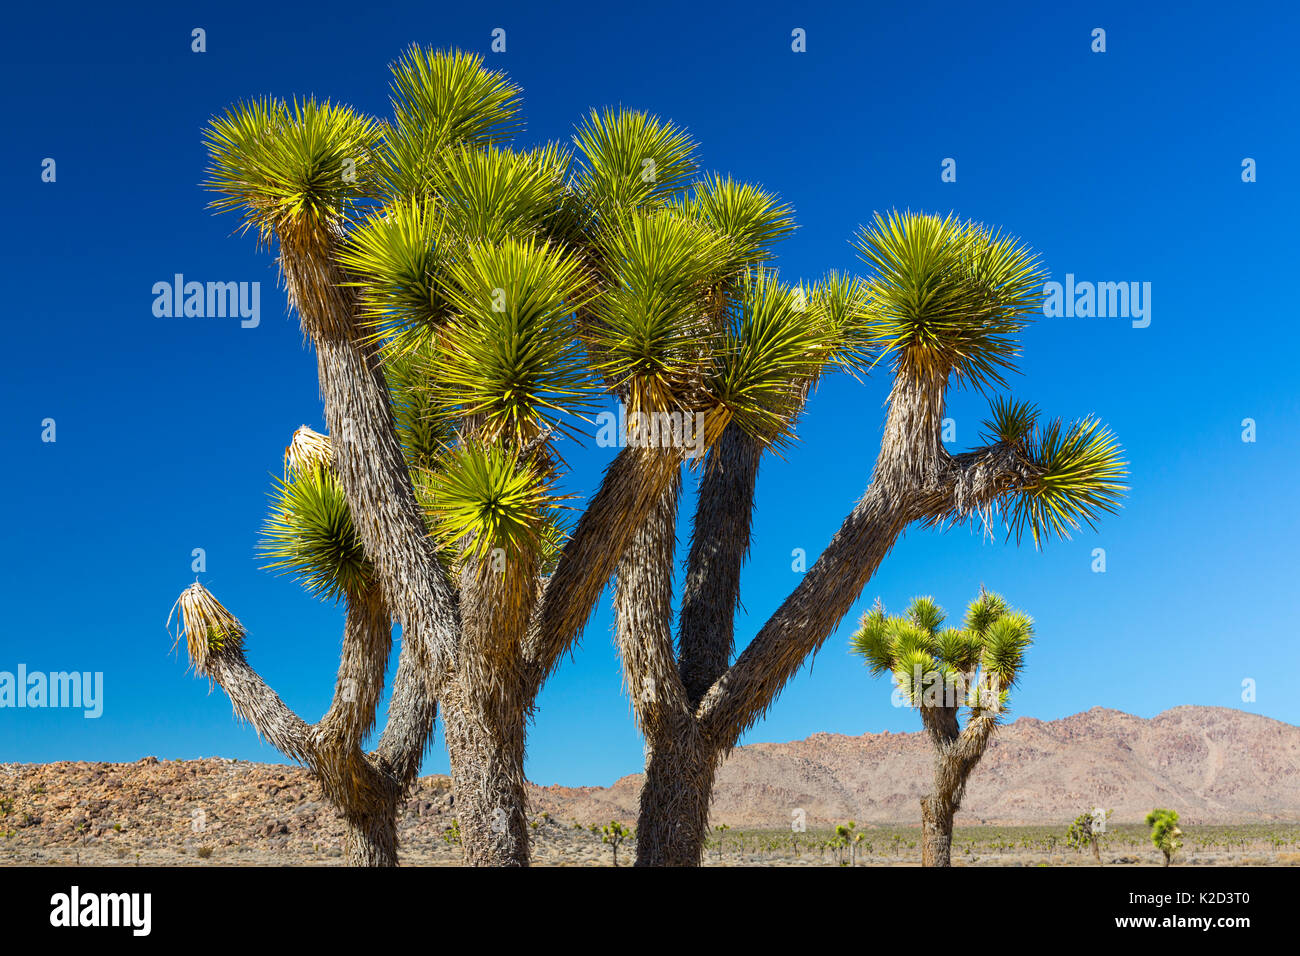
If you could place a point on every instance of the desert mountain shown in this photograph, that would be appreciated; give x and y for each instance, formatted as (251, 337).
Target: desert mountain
(1212, 764)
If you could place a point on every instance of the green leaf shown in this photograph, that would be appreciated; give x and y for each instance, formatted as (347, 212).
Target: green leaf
(629, 160)
(948, 296)
(291, 171)
(441, 101)
(309, 534)
(1079, 475)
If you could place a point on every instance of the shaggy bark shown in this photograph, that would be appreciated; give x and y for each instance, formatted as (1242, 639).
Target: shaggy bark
(719, 543)
(487, 708)
(368, 458)
(679, 761)
(673, 822)
(485, 746)
(632, 486)
(956, 752)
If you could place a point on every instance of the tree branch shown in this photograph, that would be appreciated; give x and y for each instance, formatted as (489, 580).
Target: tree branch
(948, 488)
(720, 539)
(632, 485)
(643, 601)
(368, 458)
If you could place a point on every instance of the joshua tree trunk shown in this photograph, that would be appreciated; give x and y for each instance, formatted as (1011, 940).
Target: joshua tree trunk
(485, 746)
(956, 752)
(719, 542)
(371, 839)
(674, 820)
(936, 832)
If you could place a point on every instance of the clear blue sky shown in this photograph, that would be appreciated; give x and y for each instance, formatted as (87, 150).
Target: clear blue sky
(1122, 166)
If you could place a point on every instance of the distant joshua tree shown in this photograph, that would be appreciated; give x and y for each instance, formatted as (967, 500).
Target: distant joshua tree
(1087, 831)
(614, 833)
(939, 671)
(1165, 834)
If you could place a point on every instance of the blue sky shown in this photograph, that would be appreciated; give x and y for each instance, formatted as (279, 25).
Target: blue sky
(1116, 166)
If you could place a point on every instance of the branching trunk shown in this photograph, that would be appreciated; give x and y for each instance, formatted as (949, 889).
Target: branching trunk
(633, 484)
(674, 815)
(956, 752)
(366, 789)
(719, 542)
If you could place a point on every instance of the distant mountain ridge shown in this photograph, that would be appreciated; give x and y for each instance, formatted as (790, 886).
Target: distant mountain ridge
(1211, 764)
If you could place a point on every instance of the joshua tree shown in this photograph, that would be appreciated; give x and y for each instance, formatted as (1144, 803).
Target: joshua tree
(613, 834)
(470, 305)
(846, 837)
(1165, 834)
(1087, 830)
(939, 671)
(945, 302)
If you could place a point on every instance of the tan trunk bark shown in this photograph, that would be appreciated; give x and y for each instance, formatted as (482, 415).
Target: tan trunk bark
(674, 820)
(371, 839)
(485, 745)
(936, 832)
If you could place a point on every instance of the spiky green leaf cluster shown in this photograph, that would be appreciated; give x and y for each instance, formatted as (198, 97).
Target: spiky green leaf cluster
(749, 218)
(772, 349)
(309, 533)
(509, 360)
(948, 296)
(441, 101)
(647, 331)
(629, 160)
(494, 194)
(290, 170)
(843, 301)
(979, 662)
(486, 497)
(1080, 472)
(395, 256)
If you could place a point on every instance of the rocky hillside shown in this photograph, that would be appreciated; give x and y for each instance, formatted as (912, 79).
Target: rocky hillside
(1211, 764)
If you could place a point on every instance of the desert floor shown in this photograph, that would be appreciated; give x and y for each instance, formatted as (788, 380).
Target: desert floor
(560, 844)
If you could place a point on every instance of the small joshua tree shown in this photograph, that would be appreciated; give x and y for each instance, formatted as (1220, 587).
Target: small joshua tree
(846, 839)
(939, 671)
(1087, 830)
(721, 829)
(1165, 834)
(614, 833)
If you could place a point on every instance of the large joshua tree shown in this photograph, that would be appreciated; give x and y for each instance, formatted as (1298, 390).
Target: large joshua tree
(942, 308)
(470, 305)
(940, 671)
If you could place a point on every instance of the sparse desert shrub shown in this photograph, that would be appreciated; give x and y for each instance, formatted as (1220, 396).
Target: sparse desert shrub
(204, 852)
